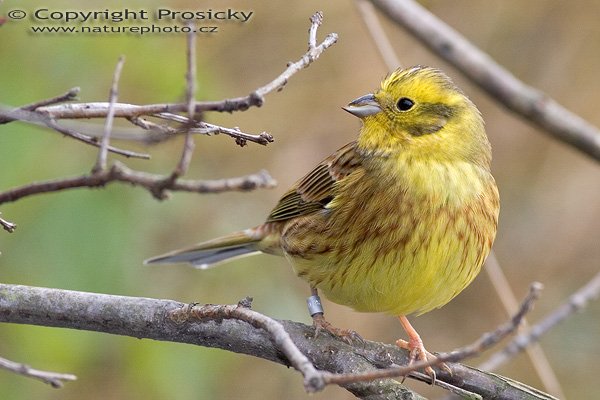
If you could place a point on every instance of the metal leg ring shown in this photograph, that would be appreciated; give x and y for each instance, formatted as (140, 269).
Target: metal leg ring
(314, 305)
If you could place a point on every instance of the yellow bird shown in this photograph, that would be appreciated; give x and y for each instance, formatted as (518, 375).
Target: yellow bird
(399, 221)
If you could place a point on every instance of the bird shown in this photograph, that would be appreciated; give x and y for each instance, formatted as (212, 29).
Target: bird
(398, 221)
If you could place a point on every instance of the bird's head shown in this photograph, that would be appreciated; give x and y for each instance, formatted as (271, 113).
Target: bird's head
(421, 113)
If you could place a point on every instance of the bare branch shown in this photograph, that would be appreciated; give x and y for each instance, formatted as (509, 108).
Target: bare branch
(529, 103)
(152, 182)
(576, 302)
(535, 352)
(70, 95)
(54, 379)
(257, 97)
(485, 342)
(101, 161)
(153, 319)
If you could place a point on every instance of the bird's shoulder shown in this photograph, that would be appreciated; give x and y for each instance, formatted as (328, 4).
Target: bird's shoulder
(317, 188)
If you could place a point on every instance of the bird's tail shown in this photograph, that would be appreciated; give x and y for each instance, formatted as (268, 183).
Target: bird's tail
(208, 254)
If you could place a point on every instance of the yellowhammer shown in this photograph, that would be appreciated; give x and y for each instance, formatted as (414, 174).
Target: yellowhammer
(399, 221)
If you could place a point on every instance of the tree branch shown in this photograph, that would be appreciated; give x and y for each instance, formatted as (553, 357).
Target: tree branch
(152, 182)
(159, 320)
(526, 101)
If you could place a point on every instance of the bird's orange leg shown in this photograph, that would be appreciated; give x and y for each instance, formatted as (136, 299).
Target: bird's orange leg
(321, 324)
(416, 348)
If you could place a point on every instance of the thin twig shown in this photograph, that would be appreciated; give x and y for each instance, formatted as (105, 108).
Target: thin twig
(576, 302)
(315, 21)
(313, 379)
(206, 128)
(154, 183)
(112, 98)
(188, 144)
(54, 379)
(7, 225)
(483, 343)
(93, 142)
(42, 120)
(68, 96)
(535, 352)
(528, 102)
(381, 40)
(257, 97)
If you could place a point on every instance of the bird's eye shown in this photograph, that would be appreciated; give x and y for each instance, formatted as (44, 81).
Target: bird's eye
(405, 104)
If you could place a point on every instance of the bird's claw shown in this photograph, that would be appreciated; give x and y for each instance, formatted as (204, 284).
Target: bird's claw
(418, 352)
(347, 335)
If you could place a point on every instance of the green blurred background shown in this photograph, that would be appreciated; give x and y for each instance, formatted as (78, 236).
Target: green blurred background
(95, 240)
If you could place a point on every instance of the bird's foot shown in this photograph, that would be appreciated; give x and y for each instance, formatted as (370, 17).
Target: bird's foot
(418, 352)
(347, 335)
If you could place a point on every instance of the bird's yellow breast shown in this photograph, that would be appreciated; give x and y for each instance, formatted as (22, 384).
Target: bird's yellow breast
(401, 235)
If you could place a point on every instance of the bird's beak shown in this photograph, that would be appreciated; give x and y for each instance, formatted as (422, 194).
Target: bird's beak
(363, 106)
